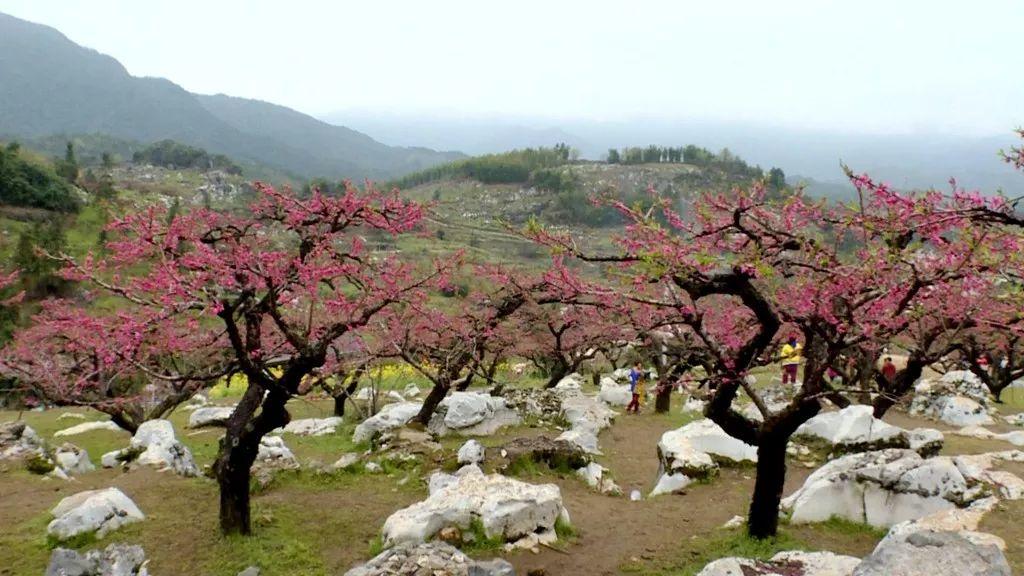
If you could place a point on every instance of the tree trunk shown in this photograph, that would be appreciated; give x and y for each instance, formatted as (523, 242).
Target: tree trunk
(463, 384)
(558, 371)
(763, 520)
(238, 449)
(437, 394)
(125, 420)
(663, 399)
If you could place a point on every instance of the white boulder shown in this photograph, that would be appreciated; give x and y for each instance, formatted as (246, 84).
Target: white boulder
(696, 448)
(613, 393)
(670, 483)
(89, 427)
(852, 427)
(154, 444)
(93, 511)
(881, 488)
(506, 508)
(114, 560)
(472, 452)
(18, 440)
(1016, 437)
(210, 416)
(411, 391)
(585, 438)
(935, 553)
(693, 404)
(790, 563)
(274, 452)
(390, 417)
(571, 382)
(472, 414)
(72, 460)
(596, 476)
(313, 426)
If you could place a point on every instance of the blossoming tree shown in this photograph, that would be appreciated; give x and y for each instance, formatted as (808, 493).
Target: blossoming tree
(273, 294)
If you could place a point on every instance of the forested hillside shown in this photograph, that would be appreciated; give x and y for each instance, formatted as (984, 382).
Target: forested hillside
(50, 85)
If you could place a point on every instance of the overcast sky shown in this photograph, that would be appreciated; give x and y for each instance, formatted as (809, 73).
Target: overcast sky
(871, 66)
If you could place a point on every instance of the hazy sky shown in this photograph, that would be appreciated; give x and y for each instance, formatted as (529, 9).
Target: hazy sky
(874, 66)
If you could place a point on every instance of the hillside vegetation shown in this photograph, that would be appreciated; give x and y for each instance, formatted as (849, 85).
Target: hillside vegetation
(54, 86)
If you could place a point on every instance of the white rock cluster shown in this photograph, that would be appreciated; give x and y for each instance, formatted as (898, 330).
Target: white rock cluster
(505, 507)
(155, 445)
(597, 477)
(613, 393)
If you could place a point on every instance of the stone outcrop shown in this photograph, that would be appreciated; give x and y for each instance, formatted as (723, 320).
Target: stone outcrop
(855, 429)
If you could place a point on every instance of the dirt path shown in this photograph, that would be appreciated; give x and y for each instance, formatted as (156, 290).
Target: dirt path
(613, 531)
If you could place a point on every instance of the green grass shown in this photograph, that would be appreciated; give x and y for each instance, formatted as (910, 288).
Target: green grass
(836, 534)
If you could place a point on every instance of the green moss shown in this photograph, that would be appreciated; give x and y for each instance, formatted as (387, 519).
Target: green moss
(475, 539)
(39, 464)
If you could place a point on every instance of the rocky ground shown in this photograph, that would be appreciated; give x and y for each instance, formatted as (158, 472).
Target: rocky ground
(322, 502)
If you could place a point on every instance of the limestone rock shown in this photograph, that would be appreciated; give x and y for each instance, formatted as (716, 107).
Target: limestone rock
(18, 440)
(114, 560)
(1016, 437)
(854, 429)
(671, 483)
(430, 558)
(89, 427)
(935, 554)
(573, 381)
(472, 452)
(210, 416)
(925, 441)
(696, 448)
(274, 452)
(313, 426)
(506, 508)
(613, 393)
(93, 511)
(791, 563)
(597, 477)
(155, 445)
(390, 417)
(411, 391)
(881, 488)
(472, 414)
(957, 399)
(346, 461)
(72, 460)
(693, 404)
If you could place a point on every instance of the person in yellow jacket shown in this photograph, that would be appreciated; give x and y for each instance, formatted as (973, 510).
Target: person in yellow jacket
(790, 356)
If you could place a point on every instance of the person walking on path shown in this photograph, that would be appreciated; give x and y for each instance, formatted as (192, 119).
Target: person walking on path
(790, 360)
(636, 386)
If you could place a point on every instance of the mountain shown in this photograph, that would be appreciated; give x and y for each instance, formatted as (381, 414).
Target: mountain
(50, 85)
